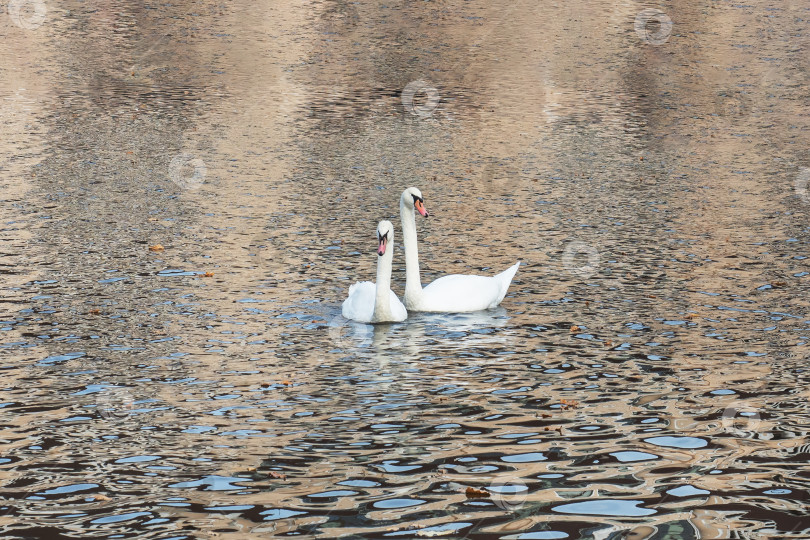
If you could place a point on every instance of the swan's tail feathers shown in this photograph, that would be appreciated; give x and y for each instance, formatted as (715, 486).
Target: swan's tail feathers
(504, 280)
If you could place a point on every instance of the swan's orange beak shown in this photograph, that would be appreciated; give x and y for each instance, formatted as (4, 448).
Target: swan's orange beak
(419, 204)
(383, 244)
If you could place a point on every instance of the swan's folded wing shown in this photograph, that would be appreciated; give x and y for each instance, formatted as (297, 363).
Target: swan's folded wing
(460, 293)
(398, 311)
(359, 306)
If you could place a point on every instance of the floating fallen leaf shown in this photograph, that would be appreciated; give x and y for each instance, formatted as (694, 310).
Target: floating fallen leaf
(266, 385)
(274, 474)
(94, 312)
(778, 284)
(575, 328)
(208, 274)
(566, 403)
(692, 316)
(546, 415)
(608, 343)
(473, 493)
(286, 383)
(156, 247)
(100, 497)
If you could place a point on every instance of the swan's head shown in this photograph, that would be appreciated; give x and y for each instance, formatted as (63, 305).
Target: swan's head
(385, 235)
(412, 196)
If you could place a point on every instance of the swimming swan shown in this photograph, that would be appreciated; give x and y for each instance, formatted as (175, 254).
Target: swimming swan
(449, 294)
(370, 303)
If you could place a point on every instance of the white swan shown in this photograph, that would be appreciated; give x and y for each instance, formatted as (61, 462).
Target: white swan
(449, 294)
(370, 303)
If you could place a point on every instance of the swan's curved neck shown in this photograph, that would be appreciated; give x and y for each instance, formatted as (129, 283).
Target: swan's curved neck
(413, 282)
(382, 298)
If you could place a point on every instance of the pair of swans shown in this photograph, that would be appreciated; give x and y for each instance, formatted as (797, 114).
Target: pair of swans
(370, 303)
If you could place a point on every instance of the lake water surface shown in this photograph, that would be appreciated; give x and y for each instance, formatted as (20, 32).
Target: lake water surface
(188, 189)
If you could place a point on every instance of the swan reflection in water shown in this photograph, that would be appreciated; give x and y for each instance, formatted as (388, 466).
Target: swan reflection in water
(422, 335)
(398, 370)
(397, 363)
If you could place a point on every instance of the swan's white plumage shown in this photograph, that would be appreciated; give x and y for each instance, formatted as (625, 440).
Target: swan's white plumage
(462, 293)
(449, 294)
(375, 302)
(359, 306)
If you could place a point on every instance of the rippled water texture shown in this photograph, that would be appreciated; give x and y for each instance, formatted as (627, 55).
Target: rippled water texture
(188, 189)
